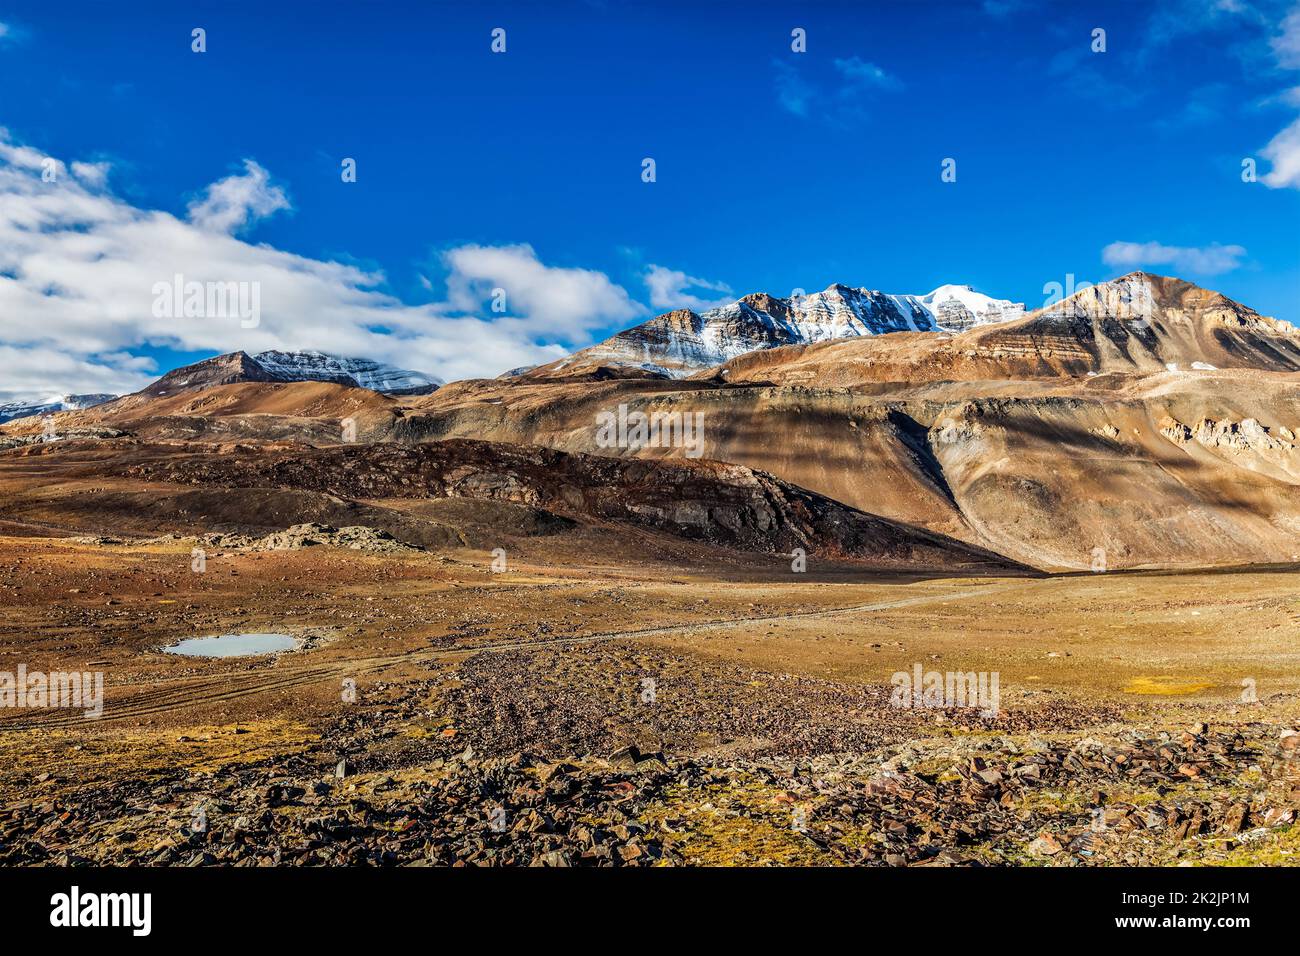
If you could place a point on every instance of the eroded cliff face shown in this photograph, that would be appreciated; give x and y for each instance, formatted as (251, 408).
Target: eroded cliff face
(1046, 479)
(1244, 444)
(713, 502)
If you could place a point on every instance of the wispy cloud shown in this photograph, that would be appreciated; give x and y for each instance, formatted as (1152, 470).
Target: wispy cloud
(793, 93)
(1171, 20)
(11, 33)
(838, 98)
(1213, 259)
(1283, 152)
(669, 290)
(1205, 104)
(1092, 76)
(1286, 44)
(94, 175)
(860, 76)
(1264, 35)
(237, 202)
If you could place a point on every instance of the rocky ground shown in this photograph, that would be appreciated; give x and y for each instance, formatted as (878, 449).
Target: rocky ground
(482, 682)
(312, 534)
(566, 756)
(1205, 796)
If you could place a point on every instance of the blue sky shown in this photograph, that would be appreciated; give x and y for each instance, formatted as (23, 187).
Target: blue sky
(774, 169)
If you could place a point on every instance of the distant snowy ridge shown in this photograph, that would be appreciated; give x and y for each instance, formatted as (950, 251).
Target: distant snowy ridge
(305, 366)
(63, 403)
(312, 366)
(681, 342)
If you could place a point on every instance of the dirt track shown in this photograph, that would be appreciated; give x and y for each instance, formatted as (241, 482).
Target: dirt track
(177, 694)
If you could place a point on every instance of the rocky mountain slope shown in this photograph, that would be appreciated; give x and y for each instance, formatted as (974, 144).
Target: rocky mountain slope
(308, 366)
(1163, 469)
(712, 502)
(220, 370)
(679, 342)
(1144, 422)
(317, 412)
(1139, 323)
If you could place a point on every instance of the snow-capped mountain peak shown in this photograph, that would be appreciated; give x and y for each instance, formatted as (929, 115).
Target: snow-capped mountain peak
(682, 342)
(309, 365)
(955, 308)
(963, 293)
(302, 366)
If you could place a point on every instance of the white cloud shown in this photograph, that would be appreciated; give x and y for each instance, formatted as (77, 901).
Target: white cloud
(42, 372)
(1283, 151)
(237, 202)
(78, 266)
(94, 175)
(1205, 260)
(1286, 45)
(570, 301)
(1172, 20)
(668, 290)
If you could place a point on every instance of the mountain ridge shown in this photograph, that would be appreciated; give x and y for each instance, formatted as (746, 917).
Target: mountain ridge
(1139, 322)
(66, 403)
(681, 342)
(301, 366)
(1145, 417)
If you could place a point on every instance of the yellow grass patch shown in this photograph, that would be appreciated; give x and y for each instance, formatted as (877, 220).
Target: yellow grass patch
(1166, 686)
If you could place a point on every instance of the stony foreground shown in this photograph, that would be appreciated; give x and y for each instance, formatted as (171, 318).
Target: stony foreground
(970, 795)
(439, 713)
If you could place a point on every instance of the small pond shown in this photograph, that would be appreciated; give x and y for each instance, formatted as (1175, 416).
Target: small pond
(233, 645)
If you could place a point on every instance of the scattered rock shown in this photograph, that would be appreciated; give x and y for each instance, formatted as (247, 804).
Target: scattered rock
(1046, 845)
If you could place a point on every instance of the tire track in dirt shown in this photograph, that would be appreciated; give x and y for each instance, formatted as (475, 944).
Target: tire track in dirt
(167, 696)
